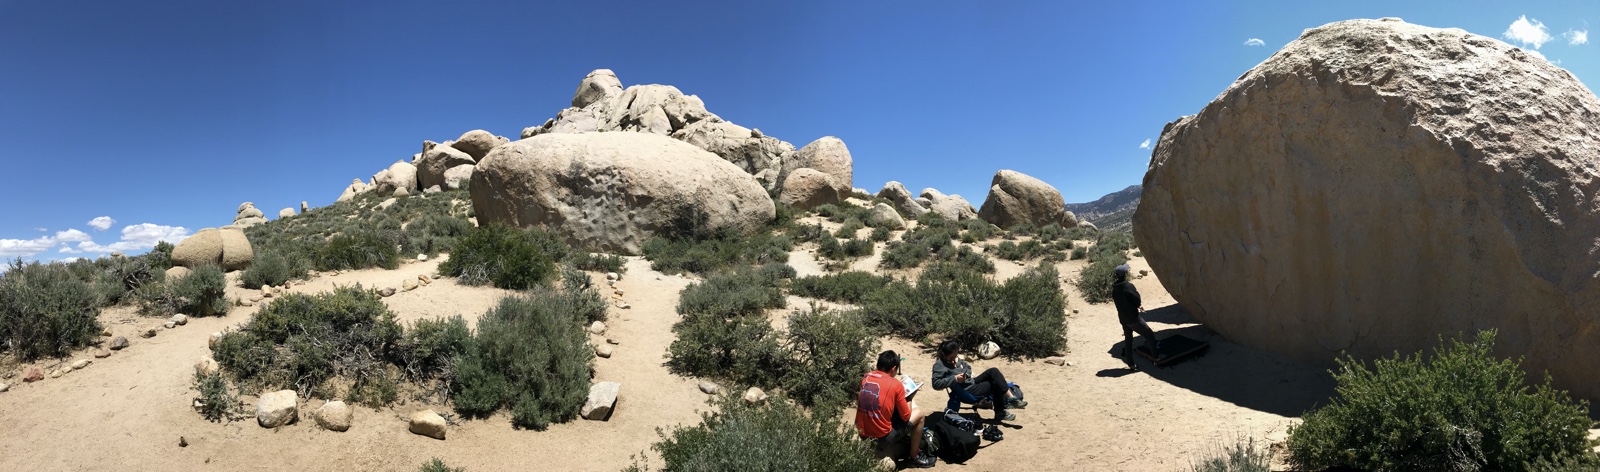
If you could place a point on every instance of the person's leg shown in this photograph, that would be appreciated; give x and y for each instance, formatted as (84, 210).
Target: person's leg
(916, 433)
(992, 384)
(1149, 335)
(1127, 344)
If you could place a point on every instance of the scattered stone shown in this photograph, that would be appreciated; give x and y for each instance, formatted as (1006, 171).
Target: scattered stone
(428, 423)
(424, 279)
(34, 375)
(613, 341)
(709, 388)
(1058, 360)
(177, 272)
(56, 374)
(278, 408)
(119, 343)
(408, 285)
(603, 351)
(81, 363)
(989, 350)
(334, 416)
(617, 291)
(247, 303)
(754, 396)
(887, 463)
(254, 298)
(106, 332)
(4, 387)
(597, 327)
(206, 366)
(102, 353)
(422, 258)
(148, 333)
(169, 325)
(212, 342)
(612, 276)
(1143, 272)
(266, 291)
(602, 400)
(386, 292)
(183, 442)
(179, 319)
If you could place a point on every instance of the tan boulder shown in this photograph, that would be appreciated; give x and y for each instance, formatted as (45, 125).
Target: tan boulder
(357, 187)
(236, 250)
(436, 162)
(902, 200)
(1016, 198)
(807, 189)
(458, 177)
(829, 156)
(177, 272)
(399, 180)
(476, 144)
(884, 215)
(285, 213)
(602, 401)
(951, 207)
(761, 156)
(201, 248)
(1377, 184)
(334, 416)
(428, 423)
(612, 191)
(278, 408)
(600, 84)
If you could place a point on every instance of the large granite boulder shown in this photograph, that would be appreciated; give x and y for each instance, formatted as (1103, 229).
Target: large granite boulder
(248, 216)
(399, 180)
(600, 84)
(903, 201)
(830, 156)
(807, 189)
(225, 247)
(476, 143)
(951, 207)
(612, 191)
(433, 165)
(357, 187)
(458, 177)
(1016, 198)
(759, 155)
(1377, 184)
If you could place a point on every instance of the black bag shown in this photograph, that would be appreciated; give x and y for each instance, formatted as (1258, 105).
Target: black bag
(955, 445)
(1016, 391)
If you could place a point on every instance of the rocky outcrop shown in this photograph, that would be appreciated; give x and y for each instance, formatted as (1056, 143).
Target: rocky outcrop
(951, 207)
(248, 216)
(458, 177)
(1377, 184)
(602, 105)
(399, 180)
(476, 143)
(225, 247)
(285, 213)
(902, 199)
(1016, 198)
(437, 162)
(829, 156)
(612, 191)
(807, 189)
(884, 215)
(357, 187)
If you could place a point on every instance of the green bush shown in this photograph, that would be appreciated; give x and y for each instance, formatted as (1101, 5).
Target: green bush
(831, 350)
(125, 275)
(830, 248)
(303, 341)
(849, 229)
(978, 230)
(1094, 281)
(437, 465)
(217, 402)
(844, 287)
(1460, 409)
(433, 233)
(360, 249)
(724, 332)
(716, 252)
(160, 257)
(598, 262)
(774, 436)
(202, 292)
(45, 310)
(507, 257)
(1241, 456)
(271, 268)
(1079, 253)
(531, 356)
(1030, 249)
(429, 350)
(1026, 315)
(1033, 315)
(879, 234)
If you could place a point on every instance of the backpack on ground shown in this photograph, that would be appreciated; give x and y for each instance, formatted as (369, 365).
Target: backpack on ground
(955, 445)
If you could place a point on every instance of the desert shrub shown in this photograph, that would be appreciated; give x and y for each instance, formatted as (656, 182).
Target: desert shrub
(1030, 249)
(879, 234)
(433, 233)
(849, 229)
(895, 309)
(202, 292)
(843, 212)
(302, 341)
(1026, 315)
(437, 465)
(531, 356)
(1094, 281)
(805, 233)
(724, 332)
(359, 249)
(125, 275)
(845, 287)
(1033, 319)
(429, 350)
(1460, 409)
(217, 401)
(777, 435)
(830, 349)
(716, 252)
(1111, 246)
(830, 248)
(160, 257)
(45, 310)
(978, 230)
(270, 267)
(507, 257)
(932, 241)
(598, 262)
(1241, 456)
(1079, 253)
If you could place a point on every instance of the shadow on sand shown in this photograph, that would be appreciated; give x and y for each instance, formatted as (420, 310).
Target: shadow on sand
(1236, 374)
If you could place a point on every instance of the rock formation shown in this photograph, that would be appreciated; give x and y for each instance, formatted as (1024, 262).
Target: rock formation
(951, 207)
(1016, 198)
(903, 201)
(357, 187)
(225, 247)
(829, 156)
(1377, 184)
(808, 188)
(399, 180)
(248, 216)
(477, 143)
(612, 191)
(436, 162)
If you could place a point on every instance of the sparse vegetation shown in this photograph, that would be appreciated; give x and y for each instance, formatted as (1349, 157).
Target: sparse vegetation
(844, 287)
(45, 311)
(531, 356)
(1025, 315)
(1110, 251)
(777, 435)
(506, 257)
(830, 350)
(272, 268)
(362, 233)
(598, 262)
(217, 401)
(1460, 409)
(304, 341)
(724, 332)
(201, 293)
(437, 465)
(1241, 456)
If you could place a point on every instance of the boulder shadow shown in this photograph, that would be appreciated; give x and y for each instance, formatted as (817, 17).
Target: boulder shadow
(1236, 374)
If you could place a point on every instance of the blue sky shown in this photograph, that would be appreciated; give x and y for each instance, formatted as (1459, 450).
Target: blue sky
(128, 122)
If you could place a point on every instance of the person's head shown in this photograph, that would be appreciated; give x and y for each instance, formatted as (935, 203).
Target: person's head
(1121, 272)
(947, 350)
(888, 362)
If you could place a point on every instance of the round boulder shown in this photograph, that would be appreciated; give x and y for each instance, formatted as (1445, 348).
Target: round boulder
(807, 189)
(1016, 198)
(432, 168)
(598, 85)
(903, 201)
(612, 191)
(236, 250)
(476, 143)
(1377, 184)
(829, 156)
(399, 180)
(278, 408)
(201, 248)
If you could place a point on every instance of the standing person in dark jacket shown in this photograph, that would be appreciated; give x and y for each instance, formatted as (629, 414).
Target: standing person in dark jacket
(1129, 306)
(953, 373)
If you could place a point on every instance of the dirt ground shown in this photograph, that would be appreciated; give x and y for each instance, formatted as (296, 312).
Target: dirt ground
(127, 412)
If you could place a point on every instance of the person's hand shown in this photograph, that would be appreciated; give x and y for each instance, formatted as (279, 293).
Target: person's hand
(961, 378)
(1141, 309)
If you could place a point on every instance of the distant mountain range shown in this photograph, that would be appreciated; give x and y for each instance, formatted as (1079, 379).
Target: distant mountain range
(1111, 212)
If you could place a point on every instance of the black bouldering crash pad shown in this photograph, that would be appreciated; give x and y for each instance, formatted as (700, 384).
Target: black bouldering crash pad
(1174, 349)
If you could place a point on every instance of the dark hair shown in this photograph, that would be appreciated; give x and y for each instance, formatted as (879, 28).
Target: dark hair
(888, 360)
(947, 347)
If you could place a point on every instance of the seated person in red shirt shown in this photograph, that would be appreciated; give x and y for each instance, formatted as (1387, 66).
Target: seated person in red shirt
(882, 413)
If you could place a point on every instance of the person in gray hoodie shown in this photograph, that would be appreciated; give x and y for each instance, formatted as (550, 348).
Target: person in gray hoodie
(950, 372)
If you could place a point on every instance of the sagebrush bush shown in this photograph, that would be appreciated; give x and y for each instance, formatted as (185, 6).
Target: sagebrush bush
(532, 356)
(432, 234)
(598, 262)
(359, 249)
(1026, 315)
(1459, 409)
(829, 247)
(45, 311)
(849, 228)
(1033, 314)
(879, 234)
(378, 235)
(202, 292)
(160, 257)
(844, 287)
(830, 351)
(724, 332)
(217, 401)
(437, 465)
(429, 350)
(269, 267)
(774, 436)
(702, 255)
(303, 341)
(506, 257)
(1241, 456)
(1094, 282)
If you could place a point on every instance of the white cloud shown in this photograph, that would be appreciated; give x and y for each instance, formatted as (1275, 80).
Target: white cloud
(73, 236)
(1255, 42)
(1145, 144)
(10, 248)
(139, 237)
(1527, 31)
(1575, 37)
(41, 230)
(102, 223)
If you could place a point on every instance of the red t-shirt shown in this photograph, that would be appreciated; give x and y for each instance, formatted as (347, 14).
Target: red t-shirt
(882, 397)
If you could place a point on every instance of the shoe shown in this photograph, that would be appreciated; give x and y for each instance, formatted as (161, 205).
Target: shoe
(1015, 403)
(1009, 416)
(922, 461)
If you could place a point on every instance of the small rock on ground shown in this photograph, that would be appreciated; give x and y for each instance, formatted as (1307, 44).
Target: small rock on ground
(81, 363)
(34, 375)
(602, 400)
(597, 327)
(148, 333)
(102, 353)
(334, 416)
(118, 343)
(278, 408)
(1056, 361)
(709, 388)
(428, 423)
(754, 396)
(613, 341)
(179, 319)
(603, 350)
